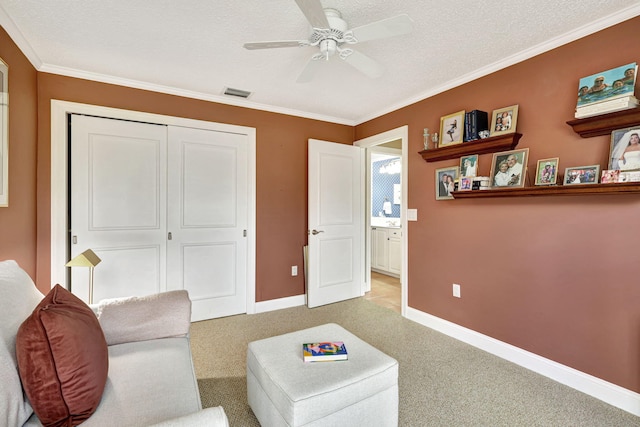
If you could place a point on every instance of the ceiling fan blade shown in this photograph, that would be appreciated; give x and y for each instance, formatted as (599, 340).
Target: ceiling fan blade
(364, 64)
(389, 27)
(314, 13)
(309, 71)
(275, 44)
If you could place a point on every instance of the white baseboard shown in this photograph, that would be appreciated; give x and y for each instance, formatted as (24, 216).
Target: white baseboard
(280, 303)
(607, 392)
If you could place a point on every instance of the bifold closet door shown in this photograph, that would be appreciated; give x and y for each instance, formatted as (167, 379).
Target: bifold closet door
(208, 219)
(165, 208)
(118, 205)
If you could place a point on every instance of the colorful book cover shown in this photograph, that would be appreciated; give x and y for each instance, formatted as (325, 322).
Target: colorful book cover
(324, 351)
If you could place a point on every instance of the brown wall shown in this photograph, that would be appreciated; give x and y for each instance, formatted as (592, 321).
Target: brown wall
(556, 276)
(18, 221)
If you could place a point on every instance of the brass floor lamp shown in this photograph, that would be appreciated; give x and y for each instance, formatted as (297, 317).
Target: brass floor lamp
(89, 259)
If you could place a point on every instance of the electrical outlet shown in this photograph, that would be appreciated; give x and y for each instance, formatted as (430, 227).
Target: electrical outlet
(294, 270)
(456, 290)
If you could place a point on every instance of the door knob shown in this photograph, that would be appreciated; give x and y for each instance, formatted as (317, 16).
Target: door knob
(314, 232)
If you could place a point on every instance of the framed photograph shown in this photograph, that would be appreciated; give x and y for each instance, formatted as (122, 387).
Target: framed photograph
(624, 152)
(466, 182)
(469, 165)
(4, 134)
(610, 84)
(451, 129)
(509, 168)
(547, 171)
(504, 120)
(445, 182)
(609, 176)
(582, 175)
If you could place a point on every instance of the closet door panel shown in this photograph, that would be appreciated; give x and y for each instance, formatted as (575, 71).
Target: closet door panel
(208, 219)
(118, 206)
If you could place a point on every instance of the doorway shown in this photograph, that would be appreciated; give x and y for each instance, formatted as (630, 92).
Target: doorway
(398, 140)
(384, 184)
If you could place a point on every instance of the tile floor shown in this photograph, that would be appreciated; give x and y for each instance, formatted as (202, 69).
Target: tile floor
(385, 291)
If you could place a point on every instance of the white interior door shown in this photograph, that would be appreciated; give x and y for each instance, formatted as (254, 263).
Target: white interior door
(336, 250)
(208, 219)
(118, 208)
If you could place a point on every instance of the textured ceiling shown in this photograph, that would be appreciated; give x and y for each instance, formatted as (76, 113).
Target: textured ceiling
(195, 48)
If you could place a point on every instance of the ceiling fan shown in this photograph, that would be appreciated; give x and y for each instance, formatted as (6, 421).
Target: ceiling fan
(331, 34)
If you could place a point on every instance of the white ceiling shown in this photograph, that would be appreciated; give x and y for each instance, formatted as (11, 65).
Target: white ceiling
(194, 48)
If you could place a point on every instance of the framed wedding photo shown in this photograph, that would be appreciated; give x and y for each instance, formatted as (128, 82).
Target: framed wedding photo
(509, 168)
(469, 165)
(582, 175)
(547, 171)
(452, 129)
(504, 120)
(624, 152)
(445, 182)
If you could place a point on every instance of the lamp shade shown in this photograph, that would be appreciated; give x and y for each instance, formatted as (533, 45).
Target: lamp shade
(87, 258)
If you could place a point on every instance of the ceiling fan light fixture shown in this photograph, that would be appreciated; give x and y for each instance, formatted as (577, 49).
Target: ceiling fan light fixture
(328, 48)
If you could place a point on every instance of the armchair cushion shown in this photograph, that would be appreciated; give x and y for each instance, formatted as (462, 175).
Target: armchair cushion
(18, 298)
(162, 315)
(62, 359)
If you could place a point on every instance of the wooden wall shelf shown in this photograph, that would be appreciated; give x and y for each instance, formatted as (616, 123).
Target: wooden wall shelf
(605, 123)
(481, 146)
(553, 190)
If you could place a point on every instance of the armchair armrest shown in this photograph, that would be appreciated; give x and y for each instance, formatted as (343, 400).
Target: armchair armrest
(163, 315)
(209, 417)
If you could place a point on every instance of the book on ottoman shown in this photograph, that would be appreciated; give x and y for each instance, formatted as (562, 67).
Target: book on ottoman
(324, 351)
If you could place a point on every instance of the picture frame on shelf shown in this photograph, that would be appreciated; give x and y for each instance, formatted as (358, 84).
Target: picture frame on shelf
(466, 183)
(509, 168)
(624, 151)
(609, 176)
(451, 129)
(547, 171)
(469, 165)
(605, 85)
(504, 120)
(445, 182)
(582, 175)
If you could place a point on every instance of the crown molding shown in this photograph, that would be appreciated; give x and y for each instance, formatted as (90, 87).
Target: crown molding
(137, 84)
(593, 27)
(18, 38)
(607, 21)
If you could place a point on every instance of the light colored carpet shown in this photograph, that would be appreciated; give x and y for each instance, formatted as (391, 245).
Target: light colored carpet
(443, 382)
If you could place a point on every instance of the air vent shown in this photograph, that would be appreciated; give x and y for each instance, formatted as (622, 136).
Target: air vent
(237, 92)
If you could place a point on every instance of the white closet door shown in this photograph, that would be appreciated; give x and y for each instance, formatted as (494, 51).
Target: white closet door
(118, 208)
(208, 219)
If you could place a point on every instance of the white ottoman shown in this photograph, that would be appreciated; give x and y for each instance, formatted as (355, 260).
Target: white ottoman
(285, 391)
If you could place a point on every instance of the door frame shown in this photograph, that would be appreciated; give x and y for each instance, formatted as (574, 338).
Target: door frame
(60, 111)
(401, 133)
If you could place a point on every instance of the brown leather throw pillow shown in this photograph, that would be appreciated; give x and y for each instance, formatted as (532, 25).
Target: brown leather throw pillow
(63, 359)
